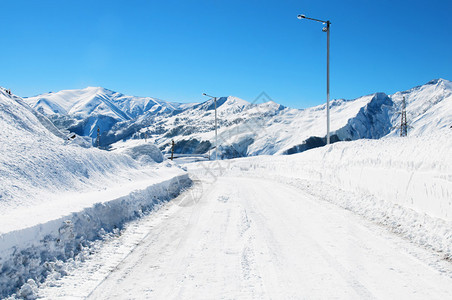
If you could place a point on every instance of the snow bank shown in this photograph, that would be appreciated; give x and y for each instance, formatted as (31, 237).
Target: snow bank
(402, 183)
(414, 172)
(34, 163)
(33, 252)
(140, 150)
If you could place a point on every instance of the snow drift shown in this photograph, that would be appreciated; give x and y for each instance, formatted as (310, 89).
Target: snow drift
(35, 162)
(35, 252)
(143, 152)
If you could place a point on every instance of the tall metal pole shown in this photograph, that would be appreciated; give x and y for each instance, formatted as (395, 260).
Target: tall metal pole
(403, 124)
(327, 29)
(98, 137)
(327, 82)
(172, 149)
(216, 136)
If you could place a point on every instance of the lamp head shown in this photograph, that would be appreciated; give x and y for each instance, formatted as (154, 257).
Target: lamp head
(301, 17)
(204, 94)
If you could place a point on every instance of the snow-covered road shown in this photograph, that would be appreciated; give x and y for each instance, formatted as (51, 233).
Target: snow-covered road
(250, 238)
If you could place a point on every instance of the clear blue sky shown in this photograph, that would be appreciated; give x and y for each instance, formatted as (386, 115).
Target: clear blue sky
(175, 50)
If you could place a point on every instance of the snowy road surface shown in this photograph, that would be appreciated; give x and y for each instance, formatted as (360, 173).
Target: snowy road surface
(249, 238)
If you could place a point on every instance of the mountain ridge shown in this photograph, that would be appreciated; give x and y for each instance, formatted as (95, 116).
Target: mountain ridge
(245, 128)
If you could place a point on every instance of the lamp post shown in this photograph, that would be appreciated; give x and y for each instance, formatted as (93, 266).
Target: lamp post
(216, 136)
(327, 30)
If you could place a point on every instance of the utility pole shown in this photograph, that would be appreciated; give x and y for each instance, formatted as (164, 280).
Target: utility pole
(403, 121)
(98, 137)
(172, 149)
(216, 136)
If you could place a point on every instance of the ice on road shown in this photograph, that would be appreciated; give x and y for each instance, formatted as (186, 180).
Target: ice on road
(250, 238)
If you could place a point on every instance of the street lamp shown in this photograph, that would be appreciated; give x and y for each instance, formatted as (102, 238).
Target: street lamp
(216, 139)
(327, 30)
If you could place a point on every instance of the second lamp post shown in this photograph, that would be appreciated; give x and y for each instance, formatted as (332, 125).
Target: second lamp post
(216, 139)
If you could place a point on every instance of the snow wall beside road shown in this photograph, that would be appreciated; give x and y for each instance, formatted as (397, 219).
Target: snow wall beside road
(35, 252)
(413, 172)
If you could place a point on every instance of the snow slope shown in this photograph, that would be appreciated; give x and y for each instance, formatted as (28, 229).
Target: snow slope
(34, 160)
(97, 100)
(55, 195)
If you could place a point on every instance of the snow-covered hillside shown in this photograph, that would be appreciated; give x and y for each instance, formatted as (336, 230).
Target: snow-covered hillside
(37, 160)
(50, 186)
(245, 129)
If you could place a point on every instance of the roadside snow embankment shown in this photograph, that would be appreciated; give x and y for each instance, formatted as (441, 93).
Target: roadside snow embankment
(56, 197)
(37, 251)
(414, 172)
(404, 184)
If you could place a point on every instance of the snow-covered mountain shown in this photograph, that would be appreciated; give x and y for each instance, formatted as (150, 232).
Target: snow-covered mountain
(244, 129)
(83, 111)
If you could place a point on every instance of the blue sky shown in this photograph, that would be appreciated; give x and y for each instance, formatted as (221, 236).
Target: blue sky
(175, 50)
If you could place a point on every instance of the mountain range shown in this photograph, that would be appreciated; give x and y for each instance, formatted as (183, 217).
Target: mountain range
(244, 128)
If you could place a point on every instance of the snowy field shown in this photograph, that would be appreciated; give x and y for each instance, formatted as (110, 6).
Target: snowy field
(333, 222)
